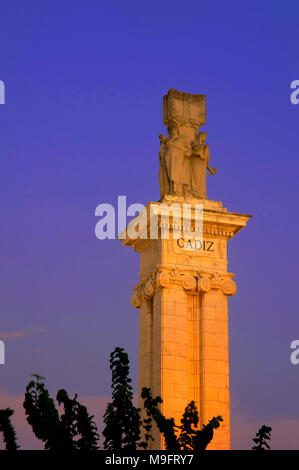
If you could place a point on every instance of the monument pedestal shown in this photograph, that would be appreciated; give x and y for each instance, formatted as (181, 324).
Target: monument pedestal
(183, 308)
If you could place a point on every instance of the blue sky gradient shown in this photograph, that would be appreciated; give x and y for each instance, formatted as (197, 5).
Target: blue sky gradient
(84, 85)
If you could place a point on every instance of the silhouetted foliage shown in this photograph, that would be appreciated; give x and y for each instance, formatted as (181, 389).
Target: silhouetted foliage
(190, 438)
(78, 422)
(165, 425)
(7, 429)
(122, 418)
(43, 416)
(262, 436)
(204, 436)
(150, 407)
(189, 424)
(74, 430)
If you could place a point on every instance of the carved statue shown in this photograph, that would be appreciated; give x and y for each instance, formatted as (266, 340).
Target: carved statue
(199, 164)
(184, 156)
(163, 175)
(178, 149)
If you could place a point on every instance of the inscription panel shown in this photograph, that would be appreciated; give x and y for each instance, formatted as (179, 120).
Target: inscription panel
(206, 247)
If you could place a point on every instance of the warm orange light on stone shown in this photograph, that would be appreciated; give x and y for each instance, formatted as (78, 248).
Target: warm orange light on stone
(183, 316)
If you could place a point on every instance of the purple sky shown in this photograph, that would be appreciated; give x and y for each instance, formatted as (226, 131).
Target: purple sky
(84, 85)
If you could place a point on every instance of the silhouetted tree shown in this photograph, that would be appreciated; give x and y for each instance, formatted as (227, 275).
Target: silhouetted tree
(204, 436)
(122, 419)
(262, 436)
(74, 430)
(78, 422)
(189, 425)
(166, 426)
(43, 417)
(7, 429)
(150, 407)
(190, 438)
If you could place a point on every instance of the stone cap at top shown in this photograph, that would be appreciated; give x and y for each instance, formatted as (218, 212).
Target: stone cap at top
(184, 108)
(217, 222)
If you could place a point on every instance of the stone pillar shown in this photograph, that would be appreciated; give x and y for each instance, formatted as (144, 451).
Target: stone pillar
(183, 315)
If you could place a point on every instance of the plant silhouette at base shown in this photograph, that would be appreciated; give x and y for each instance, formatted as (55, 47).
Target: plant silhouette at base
(190, 438)
(78, 422)
(189, 424)
(262, 436)
(166, 426)
(122, 419)
(7, 429)
(43, 416)
(204, 436)
(74, 430)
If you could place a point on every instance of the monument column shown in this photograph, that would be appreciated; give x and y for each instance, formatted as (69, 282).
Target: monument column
(184, 285)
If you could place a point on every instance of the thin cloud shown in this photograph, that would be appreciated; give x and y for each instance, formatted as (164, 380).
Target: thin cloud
(21, 334)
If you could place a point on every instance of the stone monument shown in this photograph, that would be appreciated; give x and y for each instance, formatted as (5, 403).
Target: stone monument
(182, 295)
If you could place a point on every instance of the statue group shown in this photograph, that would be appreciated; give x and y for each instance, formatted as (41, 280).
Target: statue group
(184, 155)
(183, 165)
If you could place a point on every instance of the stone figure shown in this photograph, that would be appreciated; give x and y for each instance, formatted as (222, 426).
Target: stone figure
(199, 164)
(163, 175)
(184, 155)
(178, 150)
(183, 165)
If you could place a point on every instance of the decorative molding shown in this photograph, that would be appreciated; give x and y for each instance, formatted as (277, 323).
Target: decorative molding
(192, 281)
(229, 287)
(189, 282)
(204, 283)
(217, 223)
(136, 301)
(148, 289)
(165, 278)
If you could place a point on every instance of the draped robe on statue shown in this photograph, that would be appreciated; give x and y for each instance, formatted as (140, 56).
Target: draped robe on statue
(178, 149)
(199, 162)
